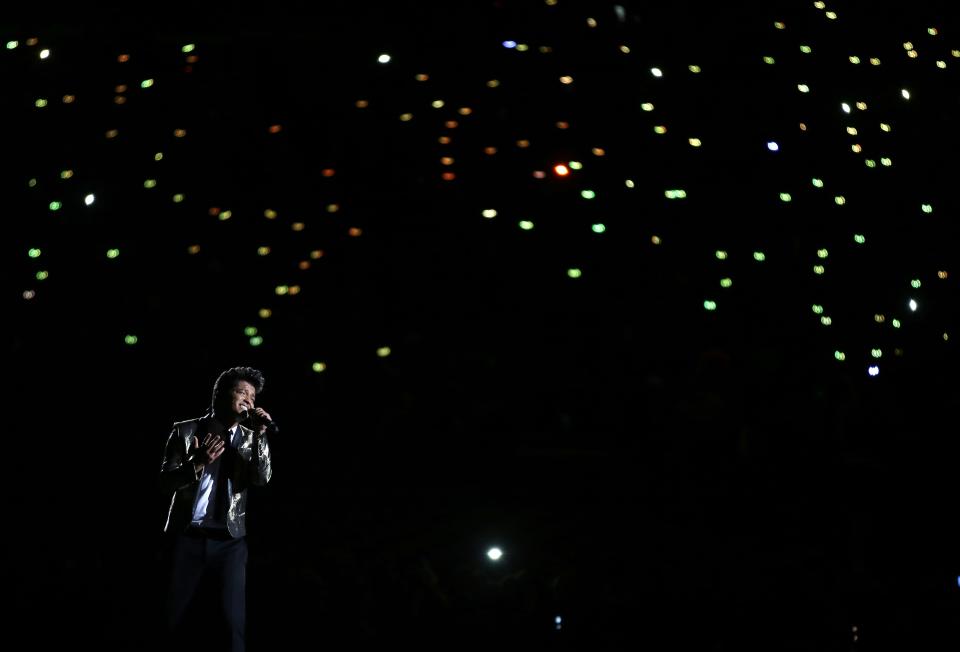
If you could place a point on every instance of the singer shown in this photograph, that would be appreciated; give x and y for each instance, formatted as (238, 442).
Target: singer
(208, 464)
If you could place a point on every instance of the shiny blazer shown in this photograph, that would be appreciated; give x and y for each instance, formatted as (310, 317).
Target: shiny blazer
(248, 464)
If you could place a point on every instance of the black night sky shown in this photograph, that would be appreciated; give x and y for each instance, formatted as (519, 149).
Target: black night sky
(660, 299)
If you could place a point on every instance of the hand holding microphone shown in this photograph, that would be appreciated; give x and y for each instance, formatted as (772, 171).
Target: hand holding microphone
(259, 419)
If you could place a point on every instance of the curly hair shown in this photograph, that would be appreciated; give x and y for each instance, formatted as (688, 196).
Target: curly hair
(228, 379)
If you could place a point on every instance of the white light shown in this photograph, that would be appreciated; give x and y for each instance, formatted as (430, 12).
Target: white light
(905, 93)
(913, 305)
(494, 554)
(873, 370)
(88, 199)
(44, 54)
(384, 58)
(509, 44)
(656, 72)
(773, 147)
(845, 107)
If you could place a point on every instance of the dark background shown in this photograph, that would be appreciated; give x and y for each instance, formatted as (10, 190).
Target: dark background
(659, 476)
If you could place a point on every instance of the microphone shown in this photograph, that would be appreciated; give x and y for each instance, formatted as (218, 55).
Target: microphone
(254, 419)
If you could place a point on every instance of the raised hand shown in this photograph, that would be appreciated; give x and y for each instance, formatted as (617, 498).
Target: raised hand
(210, 450)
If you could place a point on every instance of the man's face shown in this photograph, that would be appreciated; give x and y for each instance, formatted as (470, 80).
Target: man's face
(242, 397)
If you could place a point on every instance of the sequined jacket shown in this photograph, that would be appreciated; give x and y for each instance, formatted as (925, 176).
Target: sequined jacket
(248, 464)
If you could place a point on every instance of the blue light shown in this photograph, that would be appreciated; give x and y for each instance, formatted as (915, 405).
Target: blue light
(509, 44)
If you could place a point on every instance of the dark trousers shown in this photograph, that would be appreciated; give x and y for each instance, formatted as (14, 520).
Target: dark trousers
(197, 561)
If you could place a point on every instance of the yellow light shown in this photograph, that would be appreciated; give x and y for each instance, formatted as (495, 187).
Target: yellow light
(297, 226)
(383, 351)
(874, 61)
(647, 106)
(854, 59)
(803, 88)
(852, 131)
(406, 117)
(840, 200)
(265, 313)
(694, 142)
(316, 254)
(319, 367)
(780, 25)
(818, 269)
(263, 251)
(625, 49)
(655, 239)
(566, 79)
(598, 151)
(489, 213)
(362, 104)
(493, 83)
(660, 129)
(437, 104)
(694, 69)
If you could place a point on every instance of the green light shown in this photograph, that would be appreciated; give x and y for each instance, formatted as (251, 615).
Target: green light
(926, 208)
(587, 194)
(150, 183)
(769, 60)
(40, 103)
(806, 49)
(250, 331)
(817, 308)
(158, 156)
(526, 225)
(383, 352)
(818, 269)
(189, 47)
(870, 163)
(759, 256)
(256, 341)
(32, 183)
(573, 272)
(318, 366)
(130, 339)
(146, 83)
(840, 355)
(826, 321)
(12, 45)
(876, 353)
(575, 165)
(177, 198)
(895, 323)
(915, 283)
(785, 197)
(817, 183)
(42, 275)
(55, 205)
(839, 200)
(675, 194)
(822, 253)
(721, 254)
(281, 290)
(598, 228)
(886, 162)
(710, 305)
(859, 239)
(34, 253)
(113, 253)
(726, 282)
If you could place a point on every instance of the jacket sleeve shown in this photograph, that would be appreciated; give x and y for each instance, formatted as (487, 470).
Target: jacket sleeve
(259, 470)
(176, 472)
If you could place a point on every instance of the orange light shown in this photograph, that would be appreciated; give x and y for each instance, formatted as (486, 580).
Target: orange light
(561, 170)
(275, 129)
(449, 176)
(328, 172)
